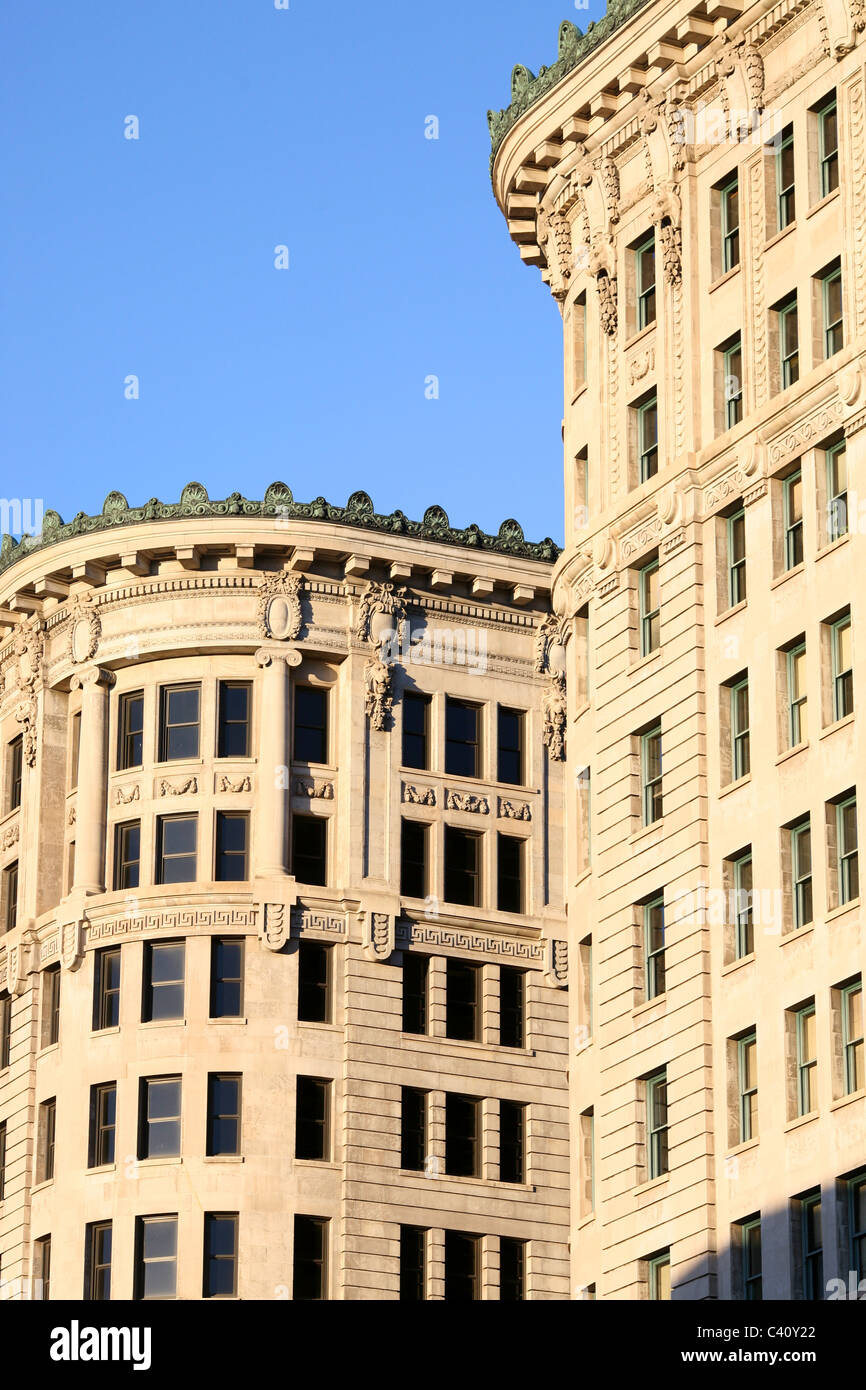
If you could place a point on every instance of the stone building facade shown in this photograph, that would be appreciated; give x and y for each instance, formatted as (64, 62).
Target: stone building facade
(689, 178)
(283, 970)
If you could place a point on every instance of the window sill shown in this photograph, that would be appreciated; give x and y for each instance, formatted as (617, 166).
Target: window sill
(833, 546)
(318, 1165)
(849, 1099)
(104, 1032)
(742, 1148)
(223, 1158)
(647, 831)
(41, 1186)
(168, 1161)
(227, 1022)
(154, 1023)
(725, 277)
(320, 1027)
(839, 724)
(738, 964)
(582, 878)
(639, 336)
(780, 236)
(735, 786)
(581, 391)
(788, 574)
(729, 612)
(648, 657)
(652, 1184)
(44, 1051)
(836, 912)
(822, 202)
(468, 1042)
(586, 1220)
(101, 1169)
(791, 753)
(796, 933)
(648, 1004)
(799, 1121)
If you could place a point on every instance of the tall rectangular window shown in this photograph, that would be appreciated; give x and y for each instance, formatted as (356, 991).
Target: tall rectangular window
(156, 1257)
(798, 723)
(310, 849)
(650, 605)
(848, 860)
(733, 394)
(747, 1080)
(512, 1007)
(227, 977)
(857, 1224)
(736, 537)
(785, 202)
(462, 1267)
(740, 736)
(313, 1119)
(314, 983)
(127, 856)
(462, 1001)
(751, 1260)
(232, 846)
(10, 896)
(648, 438)
(233, 734)
(159, 1121)
(106, 988)
(836, 460)
(645, 281)
(220, 1255)
(462, 738)
(2, 1159)
(413, 1264)
(75, 750)
(415, 993)
(97, 1269)
(828, 146)
(842, 652)
(413, 1129)
(801, 873)
(462, 1136)
(853, 1054)
(832, 311)
(177, 844)
(224, 1114)
(103, 1124)
(46, 1135)
(743, 905)
(792, 490)
(789, 342)
(512, 1141)
(311, 725)
(414, 836)
(654, 947)
(416, 730)
(180, 713)
(164, 964)
(310, 1264)
(510, 739)
(512, 1269)
(659, 1277)
(812, 1249)
(656, 1088)
(651, 775)
(510, 854)
(807, 1060)
(462, 866)
(16, 772)
(5, 1028)
(42, 1268)
(51, 1006)
(130, 752)
(729, 200)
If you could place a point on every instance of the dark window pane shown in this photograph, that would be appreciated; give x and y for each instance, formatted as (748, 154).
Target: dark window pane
(415, 973)
(234, 720)
(163, 981)
(231, 858)
(510, 874)
(309, 849)
(412, 1264)
(462, 876)
(462, 1002)
(512, 1270)
(416, 721)
(511, 746)
(312, 1115)
(224, 1115)
(130, 752)
(413, 1130)
(310, 1267)
(462, 750)
(461, 1267)
(512, 995)
(314, 982)
(127, 856)
(106, 989)
(227, 977)
(221, 1239)
(180, 723)
(311, 725)
(461, 1136)
(511, 1141)
(413, 859)
(178, 838)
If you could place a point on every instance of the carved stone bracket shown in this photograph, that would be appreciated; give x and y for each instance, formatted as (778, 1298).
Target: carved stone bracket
(275, 926)
(72, 938)
(557, 963)
(379, 934)
(379, 696)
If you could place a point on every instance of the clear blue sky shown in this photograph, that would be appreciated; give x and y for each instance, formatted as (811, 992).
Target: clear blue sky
(155, 257)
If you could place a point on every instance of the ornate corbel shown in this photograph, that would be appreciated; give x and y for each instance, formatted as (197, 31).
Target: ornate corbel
(280, 617)
(601, 266)
(667, 217)
(550, 662)
(379, 931)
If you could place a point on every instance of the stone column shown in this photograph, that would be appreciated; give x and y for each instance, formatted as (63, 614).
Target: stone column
(91, 808)
(274, 769)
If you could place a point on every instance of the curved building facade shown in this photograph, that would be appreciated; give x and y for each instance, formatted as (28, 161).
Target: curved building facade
(689, 180)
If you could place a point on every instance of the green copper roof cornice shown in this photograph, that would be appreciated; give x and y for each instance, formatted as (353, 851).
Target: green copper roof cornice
(278, 504)
(574, 46)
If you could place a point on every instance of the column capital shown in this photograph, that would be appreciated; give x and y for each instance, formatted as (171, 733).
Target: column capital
(272, 655)
(93, 675)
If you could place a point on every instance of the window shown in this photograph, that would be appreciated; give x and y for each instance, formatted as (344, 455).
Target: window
(509, 864)
(2, 1159)
(311, 725)
(227, 977)
(747, 1071)
(744, 926)
(750, 1260)
(51, 1006)
(733, 372)
(462, 1267)
(789, 342)
(512, 1141)
(462, 1001)
(512, 1270)
(648, 590)
(812, 1252)
(785, 204)
(462, 866)
(415, 980)
(736, 529)
(654, 947)
(792, 493)
(103, 1124)
(659, 1277)
(75, 749)
(130, 750)
(648, 438)
(127, 856)
(510, 724)
(837, 491)
(413, 1262)
(233, 740)
(656, 1088)
(159, 1125)
(177, 842)
(179, 722)
(5, 1028)
(807, 1060)
(828, 146)
(416, 730)
(220, 1255)
(857, 1223)
(578, 339)
(586, 1157)
(42, 1268)
(156, 1257)
(106, 989)
(645, 281)
(413, 1129)
(798, 723)
(740, 744)
(801, 874)
(832, 311)
(512, 1007)
(462, 738)
(310, 1274)
(224, 1114)
(97, 1266)
(853, 1055)
(16, 771)
(414, 835)
(310, 849)
(163, 981)
(462, 1148)
(314, 982)
(313, 1119)
(46, 1139)
(848, 864)
(232, 841)
(843, 668)
(10, 896)
(729, 198)
(651, 775)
